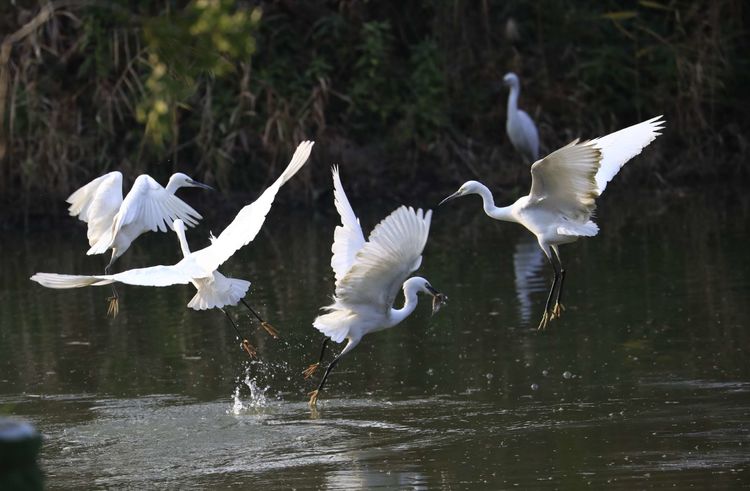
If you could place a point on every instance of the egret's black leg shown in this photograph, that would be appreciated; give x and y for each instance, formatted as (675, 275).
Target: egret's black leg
(309, 371)
(557, 310)
(268, 327)
(249, 348)
(547, 316)
(114, 301)
(314, 394)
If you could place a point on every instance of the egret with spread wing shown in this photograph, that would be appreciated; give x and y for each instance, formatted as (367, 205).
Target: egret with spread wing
(520, 127)
(564, 186)
(114, 223)
(199, 267)
(369, 275)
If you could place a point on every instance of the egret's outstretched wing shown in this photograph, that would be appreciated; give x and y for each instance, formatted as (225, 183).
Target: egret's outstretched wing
(96, 203)
(392, 252)
(565, 180)
(347, 237)
(249, 220)
(619, 147)
(180, 273)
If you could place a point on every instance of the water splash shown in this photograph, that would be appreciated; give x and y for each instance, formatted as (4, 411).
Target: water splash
(257, 397)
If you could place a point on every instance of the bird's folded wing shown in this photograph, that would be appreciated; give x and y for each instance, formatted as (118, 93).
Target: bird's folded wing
(392, 252)
(152, 206)
(565, 180)
(96, 203)
(348, 238)
(249, 220)
(619, 147)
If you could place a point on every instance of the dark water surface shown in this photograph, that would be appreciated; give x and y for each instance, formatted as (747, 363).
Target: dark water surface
(644, 383)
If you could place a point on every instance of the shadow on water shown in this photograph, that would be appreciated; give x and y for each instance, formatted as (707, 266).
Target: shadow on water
(643, 383)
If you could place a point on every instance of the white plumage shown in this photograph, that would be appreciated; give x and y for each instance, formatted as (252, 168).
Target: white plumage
(520, 127)
(564, 187)
(370, 274)
(114, 223)
(199, 267)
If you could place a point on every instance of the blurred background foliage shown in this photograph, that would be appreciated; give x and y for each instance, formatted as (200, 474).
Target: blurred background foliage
(405, 95)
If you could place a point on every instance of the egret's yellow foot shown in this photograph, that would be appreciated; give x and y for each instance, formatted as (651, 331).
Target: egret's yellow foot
(557, 311)
(114, 306)
(313, 398)
(309, 371)
(270, 329)
(249, 348)
(545, 320)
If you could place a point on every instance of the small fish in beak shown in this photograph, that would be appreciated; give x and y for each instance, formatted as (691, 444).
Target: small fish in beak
(438, 299)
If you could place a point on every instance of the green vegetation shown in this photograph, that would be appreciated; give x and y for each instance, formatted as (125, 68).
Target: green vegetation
(401, 92)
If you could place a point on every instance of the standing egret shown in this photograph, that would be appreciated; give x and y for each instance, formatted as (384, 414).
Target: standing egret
(114, 223)
(369, 274)
(519, 125)
(564, 185)
(199, 267)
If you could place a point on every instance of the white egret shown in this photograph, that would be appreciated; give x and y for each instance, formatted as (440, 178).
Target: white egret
(520, 127)
(564, 186)
(369, 274)
(114, 223)
(199, 267)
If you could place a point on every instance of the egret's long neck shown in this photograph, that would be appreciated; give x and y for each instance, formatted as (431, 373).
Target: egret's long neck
(180, 231)
(410, 303)
(172, 185)
(515, 91)
(488, 203)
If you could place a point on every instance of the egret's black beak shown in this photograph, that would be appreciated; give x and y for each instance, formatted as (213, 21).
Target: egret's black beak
(200, 185)
(438, 299)
(452, 196)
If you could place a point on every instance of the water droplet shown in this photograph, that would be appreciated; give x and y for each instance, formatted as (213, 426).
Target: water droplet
(567, 375)
(534, 387)
(545, 372)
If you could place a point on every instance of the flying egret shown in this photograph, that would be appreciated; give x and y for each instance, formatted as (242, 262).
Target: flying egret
(519, 125)
(114, 223)
(199, 267)
(369, 274)
(564, 185)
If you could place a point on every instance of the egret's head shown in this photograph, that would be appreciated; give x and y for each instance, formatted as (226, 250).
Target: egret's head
(421, 285)
(180, 180)
(469, 187)
(510, 80)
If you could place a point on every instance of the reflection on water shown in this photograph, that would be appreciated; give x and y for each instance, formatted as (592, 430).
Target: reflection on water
(528, 261)
(643, 383)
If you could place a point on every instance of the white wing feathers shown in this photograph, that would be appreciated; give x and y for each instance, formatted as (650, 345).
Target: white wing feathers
(565, 180)
(180, 273)
(569, 179)
(619, 147)
(392, 252)
(96, 203)
(148, 206)
(348, 238)
(249, 220)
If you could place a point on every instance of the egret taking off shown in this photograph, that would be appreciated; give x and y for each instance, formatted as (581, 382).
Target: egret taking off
(114, 223)
(200, 267)
(564, 186)
(519, 125)
(369, 275)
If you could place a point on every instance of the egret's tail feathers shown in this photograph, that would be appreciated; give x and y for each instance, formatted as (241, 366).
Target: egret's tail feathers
(54, 280)
(588, 229)
(102, 245)
(218, 293)
(334, 324)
